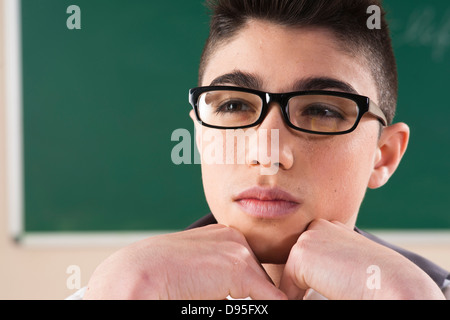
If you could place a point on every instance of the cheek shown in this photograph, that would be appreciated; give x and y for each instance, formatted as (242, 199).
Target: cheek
(340, 172)
(212, 189)
(215, 170)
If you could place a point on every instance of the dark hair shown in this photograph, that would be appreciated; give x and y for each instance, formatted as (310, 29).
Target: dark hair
(347, 19)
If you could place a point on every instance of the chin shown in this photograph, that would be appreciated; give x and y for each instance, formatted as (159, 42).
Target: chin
(270, 252)
(270, 243)
(271, 240)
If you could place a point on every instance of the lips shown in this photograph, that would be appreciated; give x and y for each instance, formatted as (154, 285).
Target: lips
(268, 203)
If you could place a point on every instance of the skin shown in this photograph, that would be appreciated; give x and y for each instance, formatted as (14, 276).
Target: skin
(329, 175)
(313, 247)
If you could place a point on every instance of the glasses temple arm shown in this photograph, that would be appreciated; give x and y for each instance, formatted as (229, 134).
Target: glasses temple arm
(376, 111)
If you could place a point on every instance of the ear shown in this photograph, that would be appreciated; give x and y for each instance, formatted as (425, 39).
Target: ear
(391, 148)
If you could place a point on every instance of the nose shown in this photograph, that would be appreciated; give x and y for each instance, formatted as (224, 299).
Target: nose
(273, 135)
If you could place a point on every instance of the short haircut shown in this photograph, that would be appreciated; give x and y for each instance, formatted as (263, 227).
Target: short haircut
(346, 19)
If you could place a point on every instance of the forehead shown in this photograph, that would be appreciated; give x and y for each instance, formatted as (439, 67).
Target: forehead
(281, 56)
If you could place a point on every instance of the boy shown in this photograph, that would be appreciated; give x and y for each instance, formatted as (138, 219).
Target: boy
(310, 78)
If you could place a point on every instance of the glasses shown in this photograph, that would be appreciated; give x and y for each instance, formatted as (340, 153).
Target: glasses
(318, 111)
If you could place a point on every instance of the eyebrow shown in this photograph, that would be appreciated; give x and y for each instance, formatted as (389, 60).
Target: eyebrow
(251, 81)
(240, 79)
(322, 83)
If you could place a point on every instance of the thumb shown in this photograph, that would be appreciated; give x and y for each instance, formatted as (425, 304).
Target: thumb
(292, 283)
(290, 288)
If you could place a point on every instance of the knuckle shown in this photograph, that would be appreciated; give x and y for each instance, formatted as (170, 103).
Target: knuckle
(239, 266)
(305, 237)
(236, 235)
(239, 257)
(238, 251)
(216, 226)
(317, 224)
(304, 243)
(239, 270)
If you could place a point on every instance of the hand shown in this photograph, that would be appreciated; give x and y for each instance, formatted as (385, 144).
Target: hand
(211, 262)
(333, 260)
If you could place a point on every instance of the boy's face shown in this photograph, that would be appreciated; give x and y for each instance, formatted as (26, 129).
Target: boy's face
(326, 176)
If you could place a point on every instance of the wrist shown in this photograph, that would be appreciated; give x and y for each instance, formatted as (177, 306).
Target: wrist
(403, 280)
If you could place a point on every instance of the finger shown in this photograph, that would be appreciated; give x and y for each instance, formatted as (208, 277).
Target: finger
(340, 224)
(322, 223)
(291, 290)
(267, 291)
(256, 283)
(290, 284)
(253, 261)
(257, 288)
(246, 276)
(248, 279)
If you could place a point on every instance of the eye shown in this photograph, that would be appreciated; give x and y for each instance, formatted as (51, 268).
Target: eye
(233, 106)
(322, 111)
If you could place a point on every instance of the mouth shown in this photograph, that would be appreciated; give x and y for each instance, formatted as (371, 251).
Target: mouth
(267, 203)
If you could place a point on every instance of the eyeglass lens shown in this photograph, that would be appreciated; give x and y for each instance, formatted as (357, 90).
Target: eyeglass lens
(319, 113)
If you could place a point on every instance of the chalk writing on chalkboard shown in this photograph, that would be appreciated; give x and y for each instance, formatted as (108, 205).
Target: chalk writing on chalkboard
(427, 27)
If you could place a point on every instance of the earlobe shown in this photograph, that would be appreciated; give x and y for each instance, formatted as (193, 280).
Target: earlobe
(391, 148)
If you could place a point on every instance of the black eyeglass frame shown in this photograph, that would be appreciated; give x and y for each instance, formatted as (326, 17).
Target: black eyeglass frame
(365, 105)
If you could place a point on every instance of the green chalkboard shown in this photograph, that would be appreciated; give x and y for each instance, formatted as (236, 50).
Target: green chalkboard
(100, 104)
(416, 197)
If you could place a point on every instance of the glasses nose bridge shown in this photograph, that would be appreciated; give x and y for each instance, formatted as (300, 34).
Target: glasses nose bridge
(275, 97)
(278, 98)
